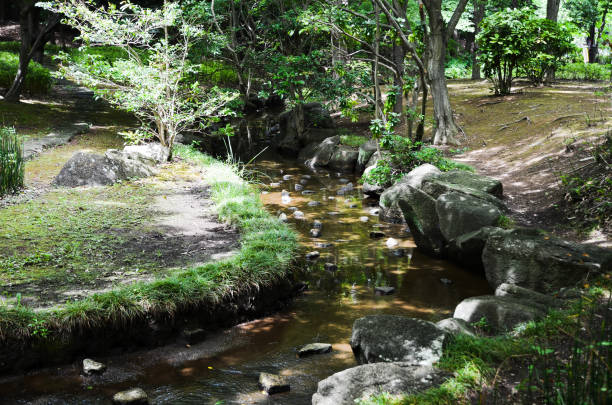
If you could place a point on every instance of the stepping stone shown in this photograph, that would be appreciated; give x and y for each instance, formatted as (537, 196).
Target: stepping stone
(315, 232)
(91, 367)
(384, 290)
(133, 396)
(273, 383)
(330, 266)
(312, 255)
(377, 234)
(307, 176)
(314, 348)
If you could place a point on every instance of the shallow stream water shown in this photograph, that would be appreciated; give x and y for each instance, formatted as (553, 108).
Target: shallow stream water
(224, 369)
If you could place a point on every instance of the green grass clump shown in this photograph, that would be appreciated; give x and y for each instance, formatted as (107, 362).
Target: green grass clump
(267, 250)
(352, 140)
(584, 71)
(38, 79)
(12, 164)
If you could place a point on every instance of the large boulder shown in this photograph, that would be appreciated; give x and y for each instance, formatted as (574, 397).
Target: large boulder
(502, 314)
(345, 387)
(319, 154)
(151, 153)
(366, 150)
(88, 169)
(317, 125)
(461, 213)
(467, 249)
(343, 159)
(456, 326)
(525, 294)
(132, 165)
(530, 259)
(473, 181)
(419, 210)
(389, 209)
(389, 338)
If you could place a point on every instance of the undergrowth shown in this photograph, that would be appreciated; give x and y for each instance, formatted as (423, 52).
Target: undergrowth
(12, 163)
(265, 256)
(38, 79)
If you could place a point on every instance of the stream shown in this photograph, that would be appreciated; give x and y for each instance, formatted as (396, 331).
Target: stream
(224, 368)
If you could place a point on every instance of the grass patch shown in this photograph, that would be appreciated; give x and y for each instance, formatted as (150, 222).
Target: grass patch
(353, 140)
(267, 250)
(38, 80)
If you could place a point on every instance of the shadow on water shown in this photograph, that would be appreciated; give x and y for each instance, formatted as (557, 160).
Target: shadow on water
(224, 369)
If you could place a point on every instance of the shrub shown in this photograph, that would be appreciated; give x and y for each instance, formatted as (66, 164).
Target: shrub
(584, 71)
(458, 69)
(38, 80)
(12, 164)
(217, 74)
(404, 156)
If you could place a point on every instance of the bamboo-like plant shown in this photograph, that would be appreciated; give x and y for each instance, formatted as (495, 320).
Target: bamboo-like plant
(12, 164)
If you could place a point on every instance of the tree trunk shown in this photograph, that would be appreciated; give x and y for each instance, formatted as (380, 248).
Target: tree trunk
(446, 130)
(398, 81)
(592, 44)
(552, 9)
(479, 11)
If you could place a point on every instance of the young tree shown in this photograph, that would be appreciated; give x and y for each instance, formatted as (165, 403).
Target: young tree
(590, 17)
(151, 81)
(34, 36)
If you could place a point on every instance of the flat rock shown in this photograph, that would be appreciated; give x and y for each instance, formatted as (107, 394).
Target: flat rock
(273, 383)
(456, 326)
(314, 348)
(133, 396)
(345, 387)
(390, 338)
(91, 367)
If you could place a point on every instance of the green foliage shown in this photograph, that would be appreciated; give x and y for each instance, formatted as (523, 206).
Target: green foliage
(352, 140)
(405, 155)
(584, 71)
(505, 222)
(38, 80)
(457, 68)
(217, 74)
(516, 39)
(12, 164)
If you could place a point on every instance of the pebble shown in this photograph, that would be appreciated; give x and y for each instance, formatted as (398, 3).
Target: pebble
(445, 281)
(331, 197)
(265, 192)
(298, 187)
(343, 181)
(91, 367)
(341, 191)
(307, 192)
(133, 396)
(313, 203)
(377, 234)
(323, 245)
(307, 176)
(391, 242)
(398, 252)
(375, 211)
(317, 224)
(315, 233)
(314, 348)
(298, 214)
(292, 209)
(384, 290)
(303, 182)
(274, 184)
(364, 219)
(283, 217)
(287, 177)
(333, 213)
(312, 255)
(273, 383)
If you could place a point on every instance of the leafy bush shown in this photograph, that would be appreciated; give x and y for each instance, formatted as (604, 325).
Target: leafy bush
(353, 140)
(404, 156)
(217, 73)
(108, 54)
(12, 165)
(584, 71)
(458, 69)
(38, 80)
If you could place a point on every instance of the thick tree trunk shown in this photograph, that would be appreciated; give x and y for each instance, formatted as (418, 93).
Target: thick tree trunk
(398, 82)
(552, 9)
(477, 16)
(592, 44)
(446, 130)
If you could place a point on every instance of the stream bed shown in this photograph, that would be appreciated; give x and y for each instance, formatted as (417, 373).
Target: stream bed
(224, 368)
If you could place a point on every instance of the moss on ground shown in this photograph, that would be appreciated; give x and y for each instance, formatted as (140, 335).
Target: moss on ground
(70, 230)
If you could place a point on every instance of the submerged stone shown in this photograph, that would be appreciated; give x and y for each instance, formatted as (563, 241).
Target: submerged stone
(133, 396)
(315, 348)
(273, 383)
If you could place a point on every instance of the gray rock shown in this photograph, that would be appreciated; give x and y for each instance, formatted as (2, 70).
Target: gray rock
(456, 326)
(369, 188)
(446, 281)
(319, 154)
(317, 224)
(314, 348)
(343, 181)
(133, 396)
(323, 245)
(307, 192)
(132, 166)
(345, 387)
(298, 215)
(385, 290)
(389, 338)
(298, 187)
(366, 150)
(364, 219)
(313, 203)
(419, 210)
(283, 217)
(520, 293)
(467, 179)
(88, 169)
(467, 249)
(502, 314)
(91, 367)
(374, 211)
(435, 187)
(541, 263)
(287, 177)
(274, 184)
(312, 255)
(152, 153)
(272, 383)
(459, 214)
(344, 159)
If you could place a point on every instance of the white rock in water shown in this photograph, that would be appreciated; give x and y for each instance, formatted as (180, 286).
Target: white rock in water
(272, 383)
(364, 219)
(283, 217)
(298, 214)
(287, 177)
(91, 367)
(391, 242)
(132, 397)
